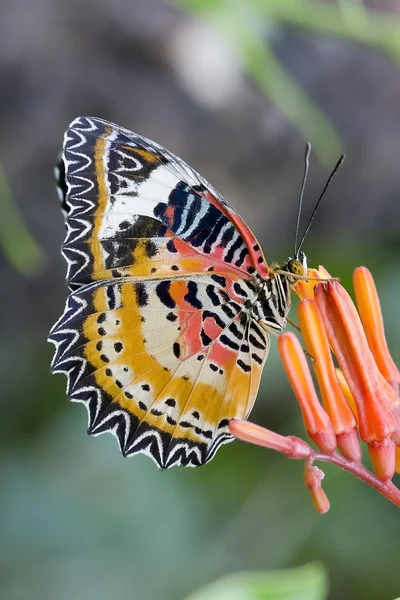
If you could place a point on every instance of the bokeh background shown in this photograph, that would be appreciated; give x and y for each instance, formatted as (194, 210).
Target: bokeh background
(235, 88)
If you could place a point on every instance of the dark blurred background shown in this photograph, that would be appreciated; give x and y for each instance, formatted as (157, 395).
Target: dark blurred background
(235, 89)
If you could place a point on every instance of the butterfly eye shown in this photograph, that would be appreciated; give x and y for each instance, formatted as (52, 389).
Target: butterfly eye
(296, 267)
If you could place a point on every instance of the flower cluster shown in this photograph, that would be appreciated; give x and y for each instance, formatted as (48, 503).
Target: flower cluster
(360, 399)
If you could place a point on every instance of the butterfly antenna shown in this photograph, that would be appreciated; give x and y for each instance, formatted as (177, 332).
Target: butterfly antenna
(303, 185)
(335, 170)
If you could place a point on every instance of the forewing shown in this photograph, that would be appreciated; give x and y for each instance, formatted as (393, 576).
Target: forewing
(133, 209)
(164, 365)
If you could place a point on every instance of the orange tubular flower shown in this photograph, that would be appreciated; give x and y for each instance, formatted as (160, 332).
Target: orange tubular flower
(333, 399)
(371, 316)
(376, 401)
(316, 420)
(360, 398)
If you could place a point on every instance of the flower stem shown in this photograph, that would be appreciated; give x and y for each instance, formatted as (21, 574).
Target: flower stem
(387, 489)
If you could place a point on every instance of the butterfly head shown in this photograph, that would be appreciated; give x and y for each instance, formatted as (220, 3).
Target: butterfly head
(297, 266)
(294, 268)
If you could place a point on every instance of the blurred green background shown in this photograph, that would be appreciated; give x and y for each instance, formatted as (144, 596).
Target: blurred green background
(235, 88)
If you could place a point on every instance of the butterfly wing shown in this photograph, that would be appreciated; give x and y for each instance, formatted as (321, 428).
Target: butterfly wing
(156, 338)
(134, 209)
(163, 364)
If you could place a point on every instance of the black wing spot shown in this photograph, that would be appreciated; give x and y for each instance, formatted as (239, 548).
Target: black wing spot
(141, 294)
(142, 405)
(196, 414)
(206, 340)
(191, 296)
(104, 358)
(108, 372)
(235, 246)
(236, 331)
(171, 316)
(118, 347)
(156, 412)
(101, 331)
(145, 387)
(119, 384)
(228, 311)
(150, 248)
(171, 246)
(176, 349)
(256, 343)
(129, 395)
(243, 319)
(238, 289)
(220, 280)
(213, 367)
(224, 339)
(241, 258)
(101, 318)
(210, 290)
(162, 290)
(256, 358)
(99, 346)
(227, 237)
(224, 296)
(243, 366)
(111, 297)
(175, 268)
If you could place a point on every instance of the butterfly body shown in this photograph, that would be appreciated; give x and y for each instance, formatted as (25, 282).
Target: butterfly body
(165, 332)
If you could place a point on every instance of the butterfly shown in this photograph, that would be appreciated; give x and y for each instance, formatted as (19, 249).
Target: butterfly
(166, 329)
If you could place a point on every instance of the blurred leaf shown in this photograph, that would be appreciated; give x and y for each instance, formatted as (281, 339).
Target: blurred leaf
(352, 9)
(245, 25)
(239, 24)
(356, 23)
(303, 583)
(22, 251)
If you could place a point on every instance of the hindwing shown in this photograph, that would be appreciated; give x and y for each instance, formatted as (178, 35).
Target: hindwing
(163, 364)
